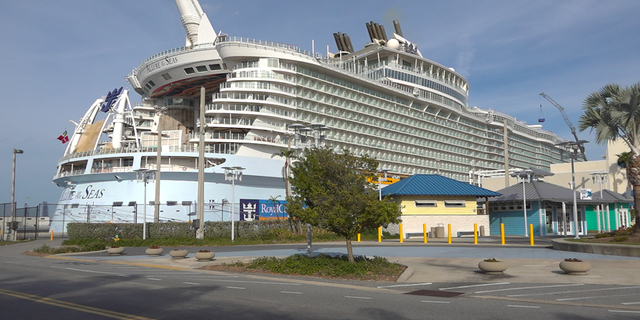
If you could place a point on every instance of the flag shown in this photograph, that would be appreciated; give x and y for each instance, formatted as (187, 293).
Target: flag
(63, 137)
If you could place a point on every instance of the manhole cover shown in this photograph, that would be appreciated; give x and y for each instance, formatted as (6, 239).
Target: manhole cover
(434, 293)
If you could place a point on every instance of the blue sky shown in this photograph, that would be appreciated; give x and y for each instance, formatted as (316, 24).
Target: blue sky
(57, 57)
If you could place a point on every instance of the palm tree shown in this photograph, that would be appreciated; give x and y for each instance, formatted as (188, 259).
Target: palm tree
(613, 113)
(288, 155)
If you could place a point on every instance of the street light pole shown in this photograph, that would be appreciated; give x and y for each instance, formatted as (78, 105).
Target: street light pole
(233, 174)
(379, 183)
(573, 149)
(13, 192)
(524, 175)
(144, 175)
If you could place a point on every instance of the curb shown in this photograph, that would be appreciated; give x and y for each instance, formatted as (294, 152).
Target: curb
(406, 274)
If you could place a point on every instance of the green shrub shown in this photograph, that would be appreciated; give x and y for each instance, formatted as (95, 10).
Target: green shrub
(619, 239)
(329, 266)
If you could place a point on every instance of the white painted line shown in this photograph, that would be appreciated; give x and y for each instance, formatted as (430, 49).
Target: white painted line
(405, 285)
(239, 288)
(92, 271)
(291, 292)
(477, 285)
(517, 306)
(193, 283)
(624, 311)
(564, 292)
(255, 282)
(154, 279)
(353, 297)
(435, 301)
(537, 287)
(596, 297)
(627, 303)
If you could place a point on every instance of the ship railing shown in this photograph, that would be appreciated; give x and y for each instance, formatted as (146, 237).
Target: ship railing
(219, 135)
(107, 151)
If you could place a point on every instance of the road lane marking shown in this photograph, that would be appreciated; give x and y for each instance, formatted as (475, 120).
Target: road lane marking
(291, 292)
(431, 301)
(564, 292)
(255, 282)
(519, 306)
(354, 297)
(476, 285)
(405, 285)
(595, 297)
(536, 287)
(628, 303)
(624, 311)
(192, 283)
(239, 288)
(91, 271)
(73, 306)
(154, 279)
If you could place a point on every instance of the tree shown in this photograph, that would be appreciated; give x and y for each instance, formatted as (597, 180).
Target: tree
(288, 155)
(613, 113)
(330, 191)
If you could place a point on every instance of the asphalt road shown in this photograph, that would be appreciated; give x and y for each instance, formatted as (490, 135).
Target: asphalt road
(44, 288)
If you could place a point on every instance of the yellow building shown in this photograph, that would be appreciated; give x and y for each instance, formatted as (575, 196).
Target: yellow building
(438, 201)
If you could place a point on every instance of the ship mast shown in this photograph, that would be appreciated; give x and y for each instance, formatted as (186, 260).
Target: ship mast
(196, 23)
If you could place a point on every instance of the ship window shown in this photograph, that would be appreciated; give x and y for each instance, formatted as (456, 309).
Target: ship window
(166, 76)
(172, 203)
(132, 203)
(186, 203)
(214, 67)
(148, 86)
(74, 205)
(152, 203)
(117, 203)
(201, 68)
(152, 83)
(189, 70)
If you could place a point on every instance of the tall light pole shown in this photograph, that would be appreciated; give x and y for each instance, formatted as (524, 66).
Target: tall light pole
(573, 149)
(600, 178)
(13, 192)
(144, 175)
(379, 183)
(233, 174)
(524, 175)
(156, 211)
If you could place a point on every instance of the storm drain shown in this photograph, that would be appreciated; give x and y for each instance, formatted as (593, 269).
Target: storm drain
(433, 293)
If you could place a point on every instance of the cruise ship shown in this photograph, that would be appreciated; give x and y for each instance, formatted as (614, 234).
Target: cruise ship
(261, 98)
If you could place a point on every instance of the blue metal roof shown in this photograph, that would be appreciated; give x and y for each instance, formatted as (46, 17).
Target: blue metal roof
(435, 185)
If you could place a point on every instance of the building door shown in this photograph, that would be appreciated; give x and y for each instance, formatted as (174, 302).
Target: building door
(624, 217)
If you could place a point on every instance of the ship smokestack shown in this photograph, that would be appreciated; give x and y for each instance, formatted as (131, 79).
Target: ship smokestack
(195, 23)
(396, 25)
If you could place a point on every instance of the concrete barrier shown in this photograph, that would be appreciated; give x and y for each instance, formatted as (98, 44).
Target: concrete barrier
(597, 248)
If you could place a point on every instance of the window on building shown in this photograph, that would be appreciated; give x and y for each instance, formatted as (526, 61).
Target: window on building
(426, 203)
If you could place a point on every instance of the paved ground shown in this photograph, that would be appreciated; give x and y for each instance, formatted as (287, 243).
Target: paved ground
(436, 261)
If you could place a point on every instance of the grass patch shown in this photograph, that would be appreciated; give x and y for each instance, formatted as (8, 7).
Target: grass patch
(46, 250)
(323, 266)
(6, 243)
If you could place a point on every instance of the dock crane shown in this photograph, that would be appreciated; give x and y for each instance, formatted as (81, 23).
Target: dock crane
(566, 119)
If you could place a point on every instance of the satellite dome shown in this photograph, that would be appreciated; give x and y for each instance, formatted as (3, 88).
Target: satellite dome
(393, 44)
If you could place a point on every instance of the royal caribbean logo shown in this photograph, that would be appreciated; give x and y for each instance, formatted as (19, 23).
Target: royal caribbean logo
(111, 99)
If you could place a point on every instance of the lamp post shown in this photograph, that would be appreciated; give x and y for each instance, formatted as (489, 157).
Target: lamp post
(600, 178)
(573, 149)
(379, 183)
(13, 192)
(144, 175)
(524, 175)
(232, 174)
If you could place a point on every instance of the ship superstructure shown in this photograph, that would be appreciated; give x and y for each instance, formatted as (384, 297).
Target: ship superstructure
(261, 97)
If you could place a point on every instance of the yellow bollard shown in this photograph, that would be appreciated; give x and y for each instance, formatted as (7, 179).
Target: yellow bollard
(502, 232)
(51, 235)
(401, 233)
(449, 232)
(379, 234)
(424, 232)
(358, 237)
(531, 233)
(475, 233)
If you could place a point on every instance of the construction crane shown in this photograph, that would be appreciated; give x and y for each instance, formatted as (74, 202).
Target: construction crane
(566, 119)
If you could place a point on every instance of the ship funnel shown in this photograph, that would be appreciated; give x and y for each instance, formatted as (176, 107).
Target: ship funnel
(195, 22)
(396, 25)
